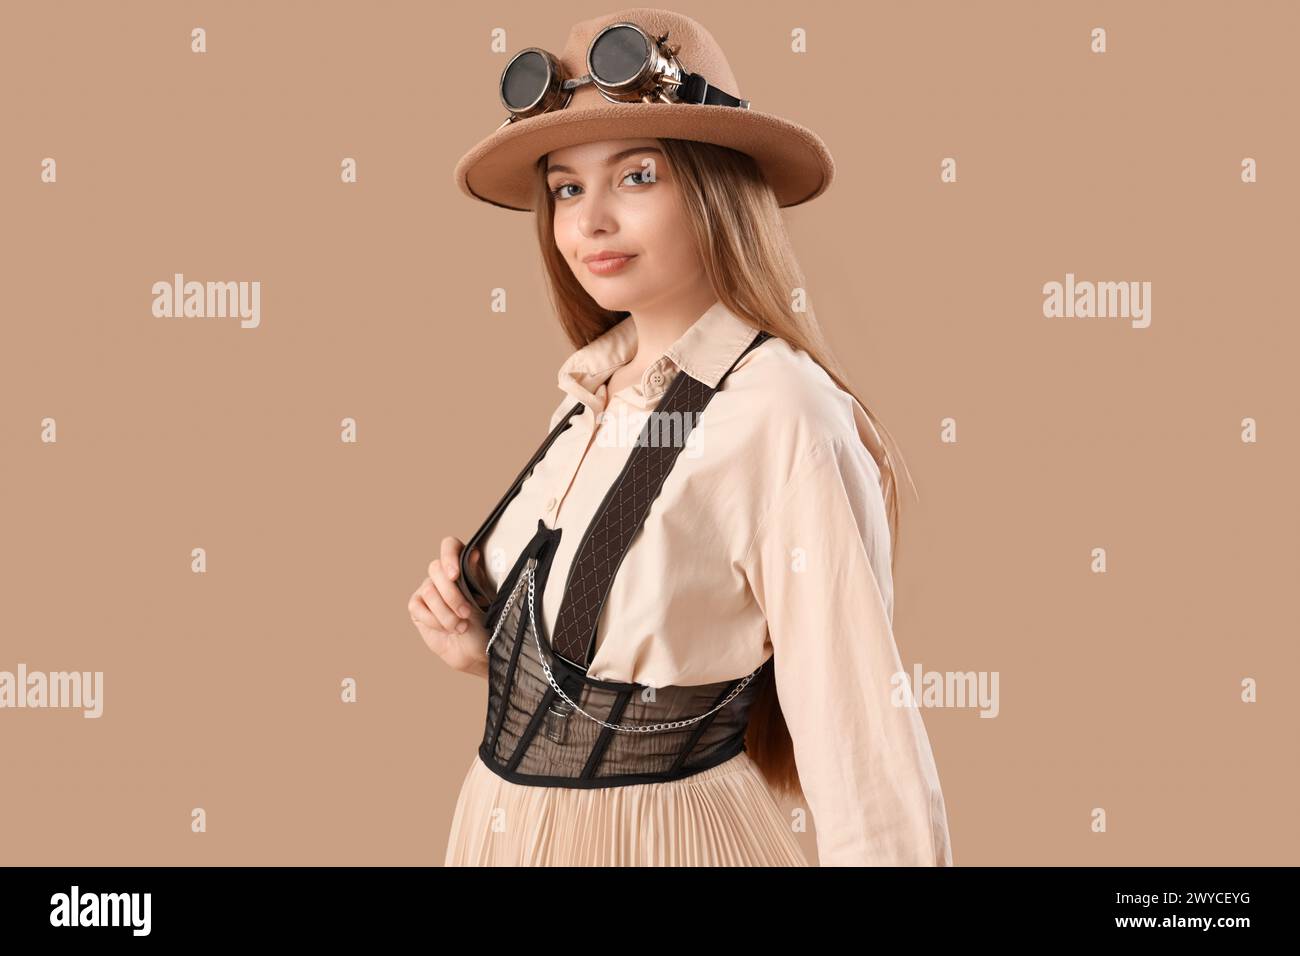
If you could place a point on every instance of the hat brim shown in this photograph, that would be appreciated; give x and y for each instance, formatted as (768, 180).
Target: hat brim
(500, 169)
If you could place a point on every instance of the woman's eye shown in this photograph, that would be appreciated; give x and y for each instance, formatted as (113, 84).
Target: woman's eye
(645, 173)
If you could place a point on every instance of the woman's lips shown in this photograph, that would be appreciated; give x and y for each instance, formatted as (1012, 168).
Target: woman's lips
(604, 267)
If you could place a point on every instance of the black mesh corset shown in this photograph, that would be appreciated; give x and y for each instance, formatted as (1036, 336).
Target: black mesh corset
(533, 735)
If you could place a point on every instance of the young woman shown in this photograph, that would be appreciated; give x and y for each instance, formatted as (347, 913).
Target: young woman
(683, 604)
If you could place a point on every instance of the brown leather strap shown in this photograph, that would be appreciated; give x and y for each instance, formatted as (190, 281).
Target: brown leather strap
(622, 513)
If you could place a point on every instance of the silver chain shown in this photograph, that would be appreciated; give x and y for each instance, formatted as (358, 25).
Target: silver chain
(505, 611)
(645, 728)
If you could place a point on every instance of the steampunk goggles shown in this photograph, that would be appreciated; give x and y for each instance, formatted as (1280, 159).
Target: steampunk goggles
(624, 63)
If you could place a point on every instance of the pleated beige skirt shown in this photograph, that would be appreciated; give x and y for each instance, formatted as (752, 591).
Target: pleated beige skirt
(723, 816)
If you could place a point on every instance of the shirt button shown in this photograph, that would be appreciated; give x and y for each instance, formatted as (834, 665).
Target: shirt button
(550, 504)
(657, 379)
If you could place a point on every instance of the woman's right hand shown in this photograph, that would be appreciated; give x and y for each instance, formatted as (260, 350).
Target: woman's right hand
(450, 625)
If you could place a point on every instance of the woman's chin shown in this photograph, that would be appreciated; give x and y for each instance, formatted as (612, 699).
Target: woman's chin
(613, 295)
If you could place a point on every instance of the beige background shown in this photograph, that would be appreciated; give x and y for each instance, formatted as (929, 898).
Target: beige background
(1118, 691)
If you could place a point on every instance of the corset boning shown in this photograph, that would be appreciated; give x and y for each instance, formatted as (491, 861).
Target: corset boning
(533, 736)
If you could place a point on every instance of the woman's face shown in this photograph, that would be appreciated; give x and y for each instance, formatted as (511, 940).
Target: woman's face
(621, 196)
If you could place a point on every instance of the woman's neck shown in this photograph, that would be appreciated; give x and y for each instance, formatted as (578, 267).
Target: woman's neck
(660, 324)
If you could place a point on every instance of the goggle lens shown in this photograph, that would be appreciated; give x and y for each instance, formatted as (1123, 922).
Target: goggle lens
(525, 81)
(618, 55)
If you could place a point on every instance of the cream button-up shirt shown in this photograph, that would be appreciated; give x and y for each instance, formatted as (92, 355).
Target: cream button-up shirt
(769, 536)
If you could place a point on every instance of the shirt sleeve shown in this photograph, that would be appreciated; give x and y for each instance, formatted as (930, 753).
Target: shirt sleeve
(819, 569)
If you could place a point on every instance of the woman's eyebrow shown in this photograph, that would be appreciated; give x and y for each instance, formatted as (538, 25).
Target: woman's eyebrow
(609, 160)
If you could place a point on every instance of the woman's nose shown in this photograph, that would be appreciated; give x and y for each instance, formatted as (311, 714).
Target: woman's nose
(596, 215)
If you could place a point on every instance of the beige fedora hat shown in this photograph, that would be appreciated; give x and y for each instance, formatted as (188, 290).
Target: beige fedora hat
(796, 163)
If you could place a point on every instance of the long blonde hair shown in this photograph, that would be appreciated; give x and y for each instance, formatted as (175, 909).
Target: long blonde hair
(741, 236)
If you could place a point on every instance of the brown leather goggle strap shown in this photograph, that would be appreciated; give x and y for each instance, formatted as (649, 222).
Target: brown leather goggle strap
(621, 514)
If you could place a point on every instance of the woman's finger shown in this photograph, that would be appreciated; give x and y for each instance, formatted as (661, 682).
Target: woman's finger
(450, 555)
(430, 594)
(419, 611)
(450, 593)
(445, 583)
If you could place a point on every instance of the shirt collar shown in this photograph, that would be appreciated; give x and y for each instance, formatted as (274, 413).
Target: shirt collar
(704, 351)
